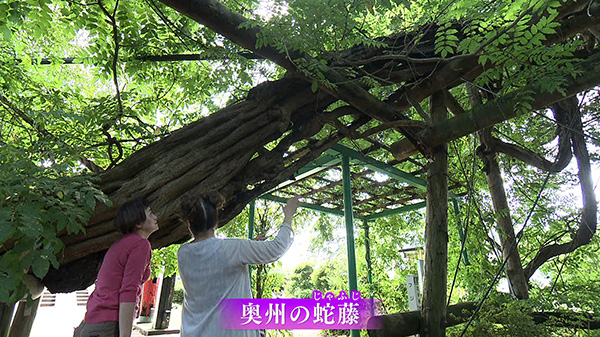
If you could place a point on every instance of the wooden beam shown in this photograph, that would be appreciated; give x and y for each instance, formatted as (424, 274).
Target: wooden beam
(500, 109)
(409, 323)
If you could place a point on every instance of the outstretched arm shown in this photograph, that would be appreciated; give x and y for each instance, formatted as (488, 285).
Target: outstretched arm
(259, 252)
(290, 209)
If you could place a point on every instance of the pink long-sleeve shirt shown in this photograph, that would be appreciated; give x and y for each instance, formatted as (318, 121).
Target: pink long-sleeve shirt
(125, 268)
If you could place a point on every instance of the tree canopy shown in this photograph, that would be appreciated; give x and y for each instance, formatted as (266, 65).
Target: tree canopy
(104, 101)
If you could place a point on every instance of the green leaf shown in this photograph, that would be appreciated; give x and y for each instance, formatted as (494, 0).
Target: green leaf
(386, 4)
(3, 11)
(61, 223)
(4, 294)
(29, 221)
(90, 200)
(534, 30)
(28, 259)
(6, 33)
(483, 59)
(6, 231)
(548, 30)
(40, 266)
(54, 261)
(314, 86)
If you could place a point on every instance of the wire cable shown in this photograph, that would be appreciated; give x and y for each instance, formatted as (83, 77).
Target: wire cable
(468, 215)
(513, 248)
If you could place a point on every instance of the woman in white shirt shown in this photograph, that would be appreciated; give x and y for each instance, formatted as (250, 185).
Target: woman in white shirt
(213, 269)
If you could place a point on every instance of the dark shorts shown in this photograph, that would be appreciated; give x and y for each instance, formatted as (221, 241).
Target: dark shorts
(102, 329)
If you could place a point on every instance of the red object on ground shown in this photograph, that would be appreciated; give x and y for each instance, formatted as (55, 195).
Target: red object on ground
(149, 296)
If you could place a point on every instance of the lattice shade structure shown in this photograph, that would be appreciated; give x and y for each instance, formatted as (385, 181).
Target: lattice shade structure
(378, 188)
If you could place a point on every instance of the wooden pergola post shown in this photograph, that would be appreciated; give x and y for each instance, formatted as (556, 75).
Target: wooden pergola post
(165, 302)
(433, 310)
(6, 313)
(24, 317)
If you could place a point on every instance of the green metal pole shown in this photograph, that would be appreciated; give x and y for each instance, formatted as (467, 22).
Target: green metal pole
(368, 251)
(349, 219)
(251, 231)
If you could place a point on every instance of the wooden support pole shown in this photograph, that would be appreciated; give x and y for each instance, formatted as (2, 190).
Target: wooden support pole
(433, 310)
(165, 301)
(24, 317)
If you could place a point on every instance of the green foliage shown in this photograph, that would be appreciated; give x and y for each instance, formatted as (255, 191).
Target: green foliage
(39, 202)
(446, 40)
(178, 296)
(52, 117)
(164, 260)
(301, 285)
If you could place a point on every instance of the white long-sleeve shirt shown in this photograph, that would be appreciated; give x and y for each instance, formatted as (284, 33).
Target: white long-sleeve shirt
(214, 269)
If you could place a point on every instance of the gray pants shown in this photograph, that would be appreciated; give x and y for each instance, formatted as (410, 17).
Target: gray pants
(102, 329)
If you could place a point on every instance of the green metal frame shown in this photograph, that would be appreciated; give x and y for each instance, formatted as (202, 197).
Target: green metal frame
(322, 163)
(317, 208)
(349, 220)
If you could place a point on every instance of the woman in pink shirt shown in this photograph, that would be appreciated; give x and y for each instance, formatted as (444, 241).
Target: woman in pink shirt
(126, 266)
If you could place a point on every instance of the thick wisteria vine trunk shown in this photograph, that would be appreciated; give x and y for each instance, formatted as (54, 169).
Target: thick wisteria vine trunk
(223, 152)
(508, 243)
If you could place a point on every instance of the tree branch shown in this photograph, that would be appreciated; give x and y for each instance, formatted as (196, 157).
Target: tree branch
(588, 224)
(45, 133)
(565, 116)
(106, 127)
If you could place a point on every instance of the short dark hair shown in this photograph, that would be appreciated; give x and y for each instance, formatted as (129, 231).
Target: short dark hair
(131, 214)
(200, 211)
